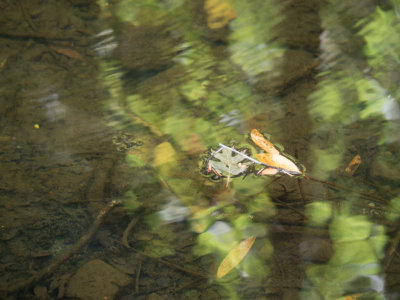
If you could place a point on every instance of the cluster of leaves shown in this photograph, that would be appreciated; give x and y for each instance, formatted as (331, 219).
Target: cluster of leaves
(229, 161)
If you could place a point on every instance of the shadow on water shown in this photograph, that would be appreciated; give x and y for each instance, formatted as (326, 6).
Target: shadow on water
(114, 185)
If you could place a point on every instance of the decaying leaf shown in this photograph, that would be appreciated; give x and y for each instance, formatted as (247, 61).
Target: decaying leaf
(272, 157)
(224, 161)
(263, 143)
(269, 171)
(235, 256)
(67, 52)
(281, 162)
(353, 165)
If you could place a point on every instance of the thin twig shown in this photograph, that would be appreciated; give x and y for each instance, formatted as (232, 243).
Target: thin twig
(281, 203)
(300, 184)
(138, 270)
(171, 264)
(128, 229)
(244, 155)
(26, 17)
(342, 187)
(67, 254)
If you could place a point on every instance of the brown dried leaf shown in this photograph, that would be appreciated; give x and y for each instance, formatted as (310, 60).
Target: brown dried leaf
(279, 161)
(273, 157)
(353, 165)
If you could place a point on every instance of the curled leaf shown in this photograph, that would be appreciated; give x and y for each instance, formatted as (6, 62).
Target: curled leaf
(272, 157)
(269, 171)
(279, 161)
(235, 256)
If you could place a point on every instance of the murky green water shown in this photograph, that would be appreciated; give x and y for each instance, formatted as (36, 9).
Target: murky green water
(114, 184)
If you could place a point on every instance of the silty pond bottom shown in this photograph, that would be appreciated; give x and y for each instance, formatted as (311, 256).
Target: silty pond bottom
(114, 183)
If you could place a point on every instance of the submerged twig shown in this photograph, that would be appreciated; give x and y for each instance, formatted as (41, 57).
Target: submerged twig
(281, 203)
(67, 254)
(299, 183)
(128, 229)
(342, 187)
(179, 268)
(138, 270)
(26, 17)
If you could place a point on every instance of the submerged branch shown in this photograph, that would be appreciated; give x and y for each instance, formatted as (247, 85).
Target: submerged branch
(67, 254)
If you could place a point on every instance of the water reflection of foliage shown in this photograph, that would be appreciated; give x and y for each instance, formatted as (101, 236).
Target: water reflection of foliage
(353, 90)
(355, 265)
(199, 101)
(186, 108)
(356, 91)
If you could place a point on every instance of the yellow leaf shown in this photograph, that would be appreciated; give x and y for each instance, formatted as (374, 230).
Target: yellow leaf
(235, 256)
(220, 13)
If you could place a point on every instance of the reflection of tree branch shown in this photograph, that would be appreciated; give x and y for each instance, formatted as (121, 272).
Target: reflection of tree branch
(392, 250)
(342, 187)
(281, 203)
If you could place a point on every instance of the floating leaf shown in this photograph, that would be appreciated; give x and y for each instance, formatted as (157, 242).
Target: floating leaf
(226, 161)
(272, 157)
(269, 171)
(279, 161)
(235, 256)
(262, 142)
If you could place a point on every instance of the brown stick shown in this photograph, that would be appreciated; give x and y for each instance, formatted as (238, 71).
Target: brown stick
(67, 254)
(128, 229)
(138, 270)
(299, 183)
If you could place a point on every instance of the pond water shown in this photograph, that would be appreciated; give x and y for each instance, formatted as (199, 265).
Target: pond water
(130, 167)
